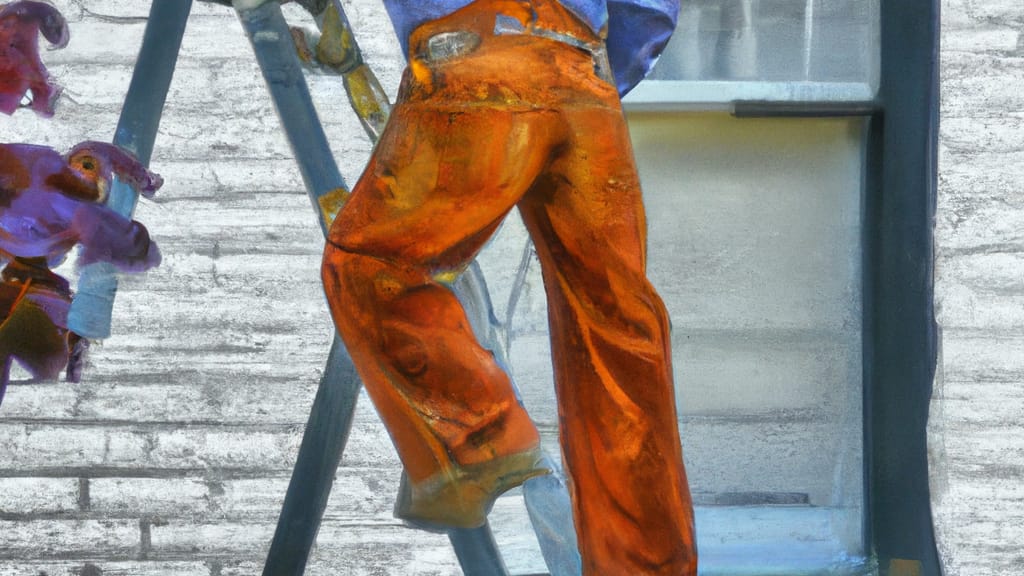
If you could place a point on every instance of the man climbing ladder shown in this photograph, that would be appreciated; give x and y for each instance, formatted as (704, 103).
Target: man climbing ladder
(512, 103)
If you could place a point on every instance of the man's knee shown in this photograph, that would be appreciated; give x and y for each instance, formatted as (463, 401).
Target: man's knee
(341, 274)
(355, 280)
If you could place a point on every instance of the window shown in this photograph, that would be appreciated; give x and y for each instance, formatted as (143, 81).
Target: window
(787, 152)
(755, 245)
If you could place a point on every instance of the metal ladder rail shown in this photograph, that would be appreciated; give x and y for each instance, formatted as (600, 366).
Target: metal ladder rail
(92, 306)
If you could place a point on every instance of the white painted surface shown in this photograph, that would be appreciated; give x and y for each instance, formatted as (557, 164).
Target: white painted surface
(172, 457)
(977, 436)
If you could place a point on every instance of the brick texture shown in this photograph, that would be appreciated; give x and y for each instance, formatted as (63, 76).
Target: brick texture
(976, 432)
(172, 457)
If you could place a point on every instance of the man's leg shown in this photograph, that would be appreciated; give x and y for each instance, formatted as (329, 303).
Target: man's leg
(433, 193)
(611, 355)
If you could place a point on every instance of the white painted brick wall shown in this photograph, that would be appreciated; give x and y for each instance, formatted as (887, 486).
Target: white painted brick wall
(977, 438)
(172, 457)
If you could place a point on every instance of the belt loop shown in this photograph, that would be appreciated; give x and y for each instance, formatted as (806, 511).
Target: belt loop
(448, 45)
(507, 25)
(602, 67)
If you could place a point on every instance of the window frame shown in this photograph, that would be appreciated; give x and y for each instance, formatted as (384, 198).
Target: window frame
(900, 335)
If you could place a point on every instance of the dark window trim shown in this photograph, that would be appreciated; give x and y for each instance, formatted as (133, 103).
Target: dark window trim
(900, 330)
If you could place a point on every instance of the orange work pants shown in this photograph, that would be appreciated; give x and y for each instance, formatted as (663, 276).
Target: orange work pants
(497, 122)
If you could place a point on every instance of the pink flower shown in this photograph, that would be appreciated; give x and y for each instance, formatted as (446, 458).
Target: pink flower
(21, 69)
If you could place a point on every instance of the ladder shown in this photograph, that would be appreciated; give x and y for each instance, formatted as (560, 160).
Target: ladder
(330, 418)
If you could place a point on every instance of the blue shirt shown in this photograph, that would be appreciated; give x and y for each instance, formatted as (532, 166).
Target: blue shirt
(637, 29)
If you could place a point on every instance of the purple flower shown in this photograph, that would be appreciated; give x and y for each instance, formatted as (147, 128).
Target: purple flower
(50, 202)
(21, 69)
